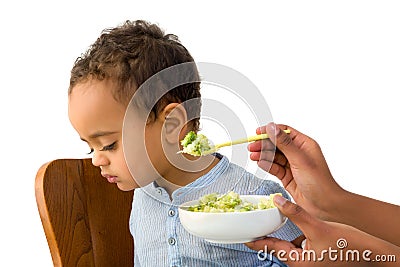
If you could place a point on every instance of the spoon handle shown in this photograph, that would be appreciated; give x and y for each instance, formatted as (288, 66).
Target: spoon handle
(245, 140)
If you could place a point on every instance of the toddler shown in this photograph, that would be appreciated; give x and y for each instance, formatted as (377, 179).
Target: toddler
(102, 84)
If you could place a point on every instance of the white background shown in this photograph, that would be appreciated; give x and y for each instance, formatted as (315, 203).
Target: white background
(328, 68)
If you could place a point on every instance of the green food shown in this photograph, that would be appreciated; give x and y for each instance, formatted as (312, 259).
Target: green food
(231, 202)
(195, 144)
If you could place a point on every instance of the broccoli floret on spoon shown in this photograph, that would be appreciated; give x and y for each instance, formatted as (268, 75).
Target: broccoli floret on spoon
(196, 144)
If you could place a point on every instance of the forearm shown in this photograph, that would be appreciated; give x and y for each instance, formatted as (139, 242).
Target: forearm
(372, 216)
(384, 254)
(374, 251)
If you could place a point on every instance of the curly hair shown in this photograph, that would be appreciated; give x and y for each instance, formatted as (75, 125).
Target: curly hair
(129, 55)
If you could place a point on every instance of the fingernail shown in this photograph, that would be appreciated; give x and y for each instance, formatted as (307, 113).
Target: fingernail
(279, 200)
(273, 128)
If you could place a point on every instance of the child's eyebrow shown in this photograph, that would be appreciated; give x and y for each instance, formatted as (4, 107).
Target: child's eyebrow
(99, 134)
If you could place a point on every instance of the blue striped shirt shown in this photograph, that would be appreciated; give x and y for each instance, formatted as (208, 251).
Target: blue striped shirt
(161, 240)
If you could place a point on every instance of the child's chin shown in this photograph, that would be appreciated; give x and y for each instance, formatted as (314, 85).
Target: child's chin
(123, 187)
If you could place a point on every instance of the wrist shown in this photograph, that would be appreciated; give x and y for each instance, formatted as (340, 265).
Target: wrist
(332, 208)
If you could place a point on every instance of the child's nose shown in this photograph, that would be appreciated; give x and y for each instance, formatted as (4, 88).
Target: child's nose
(99, 159)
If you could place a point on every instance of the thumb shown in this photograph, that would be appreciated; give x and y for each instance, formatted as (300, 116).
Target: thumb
(298, 148)
(281, 139)
(296, 214)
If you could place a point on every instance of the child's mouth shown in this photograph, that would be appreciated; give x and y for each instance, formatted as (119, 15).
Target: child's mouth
(110, 178)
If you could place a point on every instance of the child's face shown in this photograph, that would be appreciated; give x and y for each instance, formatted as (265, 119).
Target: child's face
(98, 119)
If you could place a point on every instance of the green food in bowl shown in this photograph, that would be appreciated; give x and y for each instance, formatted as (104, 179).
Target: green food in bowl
(231, 202)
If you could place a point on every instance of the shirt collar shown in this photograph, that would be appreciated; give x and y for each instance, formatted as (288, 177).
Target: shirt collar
(204, 180)
(159, 193)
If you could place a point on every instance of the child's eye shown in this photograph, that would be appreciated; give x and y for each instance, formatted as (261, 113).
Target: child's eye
(91, 151)
(109, 147)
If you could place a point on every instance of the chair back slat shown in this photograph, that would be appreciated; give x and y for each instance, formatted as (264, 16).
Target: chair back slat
(85, 219)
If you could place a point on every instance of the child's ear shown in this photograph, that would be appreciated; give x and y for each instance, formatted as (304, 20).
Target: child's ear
(175, 121)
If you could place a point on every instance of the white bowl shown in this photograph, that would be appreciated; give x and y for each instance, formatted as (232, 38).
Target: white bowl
(231, 227)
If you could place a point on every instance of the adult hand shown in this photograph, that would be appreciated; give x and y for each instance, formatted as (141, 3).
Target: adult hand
(297, 160)
(327, 243)
(299, 163)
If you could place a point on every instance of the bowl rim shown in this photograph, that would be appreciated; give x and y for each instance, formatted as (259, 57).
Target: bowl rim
(185, 208)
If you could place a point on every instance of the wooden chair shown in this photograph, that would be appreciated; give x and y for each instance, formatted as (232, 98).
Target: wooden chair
(85, 219)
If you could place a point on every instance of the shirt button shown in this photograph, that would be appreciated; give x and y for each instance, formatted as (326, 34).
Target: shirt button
(171, 213)
(159, 191)
(171, 241)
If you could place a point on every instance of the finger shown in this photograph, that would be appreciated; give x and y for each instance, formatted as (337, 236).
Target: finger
(274, 156)
(277, 135)
(282, 172)
(276, 167)
(278, 157)
(290, 144)
(266, 166)
(255, 156)
(297, 215)
(261, 145)
(271, 127)
(263, 155)
(262, 129)
(277, 170)
(271, 243)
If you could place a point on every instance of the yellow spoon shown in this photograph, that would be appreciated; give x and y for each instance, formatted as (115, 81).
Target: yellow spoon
(214, 148)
